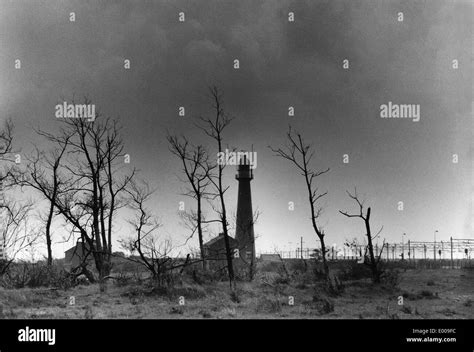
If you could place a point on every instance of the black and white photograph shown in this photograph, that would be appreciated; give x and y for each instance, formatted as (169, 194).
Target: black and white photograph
(306, 160)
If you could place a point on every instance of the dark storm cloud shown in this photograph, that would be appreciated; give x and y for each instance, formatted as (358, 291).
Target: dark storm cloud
(282, 64)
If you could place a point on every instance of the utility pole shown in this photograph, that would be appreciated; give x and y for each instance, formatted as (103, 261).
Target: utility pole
(301, 247)
(452, 263)
(434, 246)
(403, 247)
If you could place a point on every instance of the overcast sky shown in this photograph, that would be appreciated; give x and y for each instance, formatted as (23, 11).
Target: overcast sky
(282, 64)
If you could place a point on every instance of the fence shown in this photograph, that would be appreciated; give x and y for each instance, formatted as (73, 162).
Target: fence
(454, 253)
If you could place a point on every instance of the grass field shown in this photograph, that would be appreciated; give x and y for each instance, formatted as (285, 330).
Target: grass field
(441, 293)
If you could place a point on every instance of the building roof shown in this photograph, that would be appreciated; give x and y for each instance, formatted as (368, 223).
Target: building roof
(217, 239)
(77, 246)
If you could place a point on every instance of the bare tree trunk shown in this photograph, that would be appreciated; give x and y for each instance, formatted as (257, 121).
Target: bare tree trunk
(214, 129)
(197, 168)
(229, 254)
(48, 234)
(325, 263)
(299, 153)
(200, 234)
(373, 260)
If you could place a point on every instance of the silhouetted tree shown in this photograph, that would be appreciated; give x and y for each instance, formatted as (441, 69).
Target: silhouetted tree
(374, 258)
(214, 128)
(93, 190)
(16, 234)
(197, 169)
(299, 153)
(144, 242)
(42, 174)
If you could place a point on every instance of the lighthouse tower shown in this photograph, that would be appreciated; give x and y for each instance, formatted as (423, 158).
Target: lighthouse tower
(244, 227)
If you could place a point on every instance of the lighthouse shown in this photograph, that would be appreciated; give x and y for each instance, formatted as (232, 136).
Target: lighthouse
(244, 233)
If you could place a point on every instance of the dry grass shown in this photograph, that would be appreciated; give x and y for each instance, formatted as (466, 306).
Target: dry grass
(449, 294)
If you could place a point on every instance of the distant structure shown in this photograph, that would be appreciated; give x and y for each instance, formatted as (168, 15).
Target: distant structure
(74, 256)
(243, 245)
(215, 248)
(244, 233)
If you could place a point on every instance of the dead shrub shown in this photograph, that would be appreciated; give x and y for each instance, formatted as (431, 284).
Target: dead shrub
(298, 266)
(391, 278)
(318, 273)
(334, 286)
(205, 313)
(326, 306)
(283, 277)
(36, 275)
(176, 310)
(234, 297)
(268, 305)
(447, 311)
(323, 304)
(427, 294)
(355, 271)
(423, 294)
(410, 296)
(88, 314)
(189, 292)
(123, 279)
(173, 293)
(201, 277)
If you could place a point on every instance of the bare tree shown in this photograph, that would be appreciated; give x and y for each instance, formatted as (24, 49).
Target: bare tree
(94, 190)
(214, 128)
(145, 226)
(300, 154)
(98, 184)
(374, 258)
(197, 169)
(42, 174)
(14, 215)
(7, 158)
(16, 234)
(354, 245)
(154, 254)
(6, 141)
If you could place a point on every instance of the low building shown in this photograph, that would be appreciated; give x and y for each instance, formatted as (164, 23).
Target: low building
(74, 256)
(215, 249)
